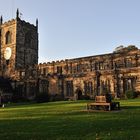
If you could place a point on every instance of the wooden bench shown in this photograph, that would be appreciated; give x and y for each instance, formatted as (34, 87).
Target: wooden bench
(100, 101)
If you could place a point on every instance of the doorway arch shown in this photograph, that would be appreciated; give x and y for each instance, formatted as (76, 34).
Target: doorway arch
(79, 94)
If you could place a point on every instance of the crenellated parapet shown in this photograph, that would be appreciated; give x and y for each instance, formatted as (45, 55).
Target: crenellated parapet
(103, 63)
(8, 23)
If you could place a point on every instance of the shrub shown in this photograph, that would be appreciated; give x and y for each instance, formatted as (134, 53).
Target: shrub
(131, 94)
(84, 97)
(18, 97)
(42, 97)
(56, 97)
(138, 93)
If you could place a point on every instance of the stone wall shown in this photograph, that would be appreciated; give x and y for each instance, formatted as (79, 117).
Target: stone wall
(114, 73)
(27, 45)
(21, 38)
(8, 66)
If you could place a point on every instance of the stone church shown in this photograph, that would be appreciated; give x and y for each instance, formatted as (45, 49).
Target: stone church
(20, 73)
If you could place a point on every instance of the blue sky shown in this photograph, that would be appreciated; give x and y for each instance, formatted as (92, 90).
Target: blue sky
(78, 28)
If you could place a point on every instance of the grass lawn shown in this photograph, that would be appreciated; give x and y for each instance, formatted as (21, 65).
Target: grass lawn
(68, 120)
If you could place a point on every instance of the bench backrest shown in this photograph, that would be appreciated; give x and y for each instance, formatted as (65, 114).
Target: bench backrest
(100, 99)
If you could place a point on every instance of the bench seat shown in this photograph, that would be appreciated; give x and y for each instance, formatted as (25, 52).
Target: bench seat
(100, 101)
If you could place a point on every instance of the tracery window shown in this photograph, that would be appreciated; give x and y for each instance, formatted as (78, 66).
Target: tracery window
(119, 64)
(44, 84)
(92, 65)
(8, 38)
(101, 66)
(69, 88)
(44, 71)
(59, 69)
(128, 62)
(88, 88)
(78, 68)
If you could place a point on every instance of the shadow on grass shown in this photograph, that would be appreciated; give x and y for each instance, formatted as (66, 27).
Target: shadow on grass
(64, 121)
(71, 127)
(130, 107)
(34, 103)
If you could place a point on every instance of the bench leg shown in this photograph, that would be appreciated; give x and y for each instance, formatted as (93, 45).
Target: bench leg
(109, 107)
(118, 106)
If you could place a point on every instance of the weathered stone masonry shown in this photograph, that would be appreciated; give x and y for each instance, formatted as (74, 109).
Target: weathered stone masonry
(115, 73)
(19, 55)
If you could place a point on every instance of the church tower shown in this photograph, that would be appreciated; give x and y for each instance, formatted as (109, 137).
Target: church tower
(18, 45)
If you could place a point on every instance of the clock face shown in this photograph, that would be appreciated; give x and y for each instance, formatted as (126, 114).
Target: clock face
(7, 53)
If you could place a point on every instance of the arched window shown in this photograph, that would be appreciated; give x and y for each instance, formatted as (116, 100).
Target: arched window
(88, 87)
(8, 38)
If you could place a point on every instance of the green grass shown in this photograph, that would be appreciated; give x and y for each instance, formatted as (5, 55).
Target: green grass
(69, 120)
